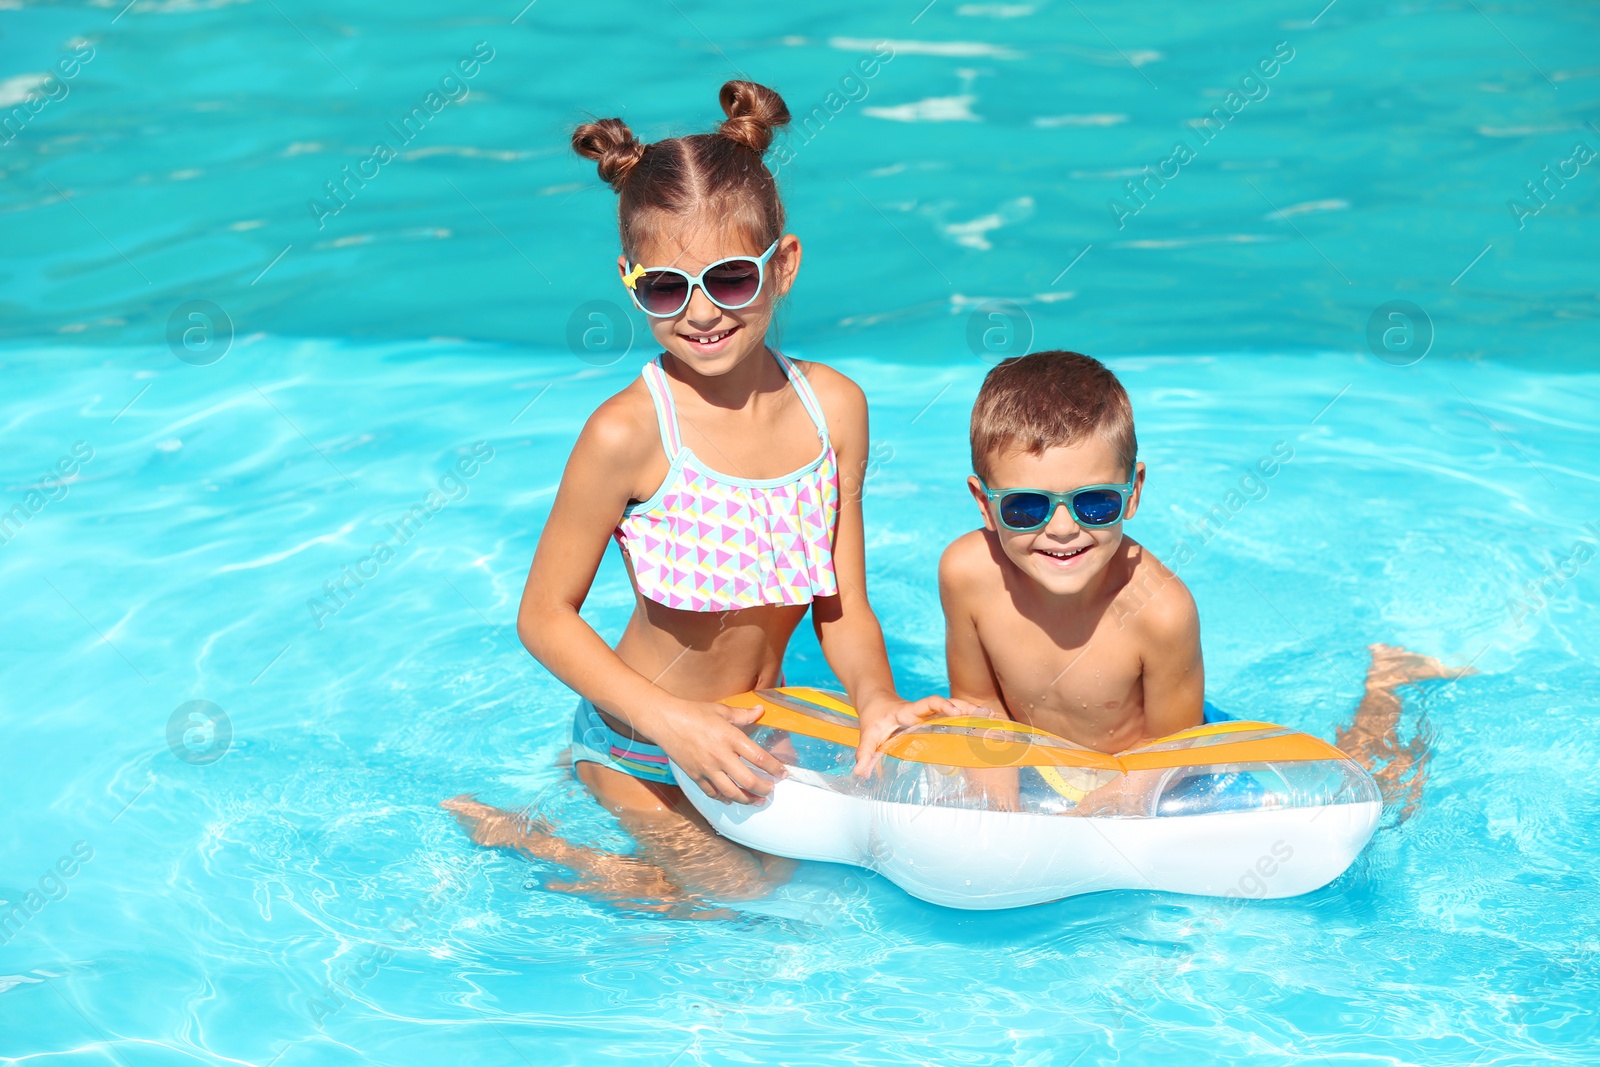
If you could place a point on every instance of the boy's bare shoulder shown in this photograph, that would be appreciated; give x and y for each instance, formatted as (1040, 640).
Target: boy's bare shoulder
(1155, 599)
(968, 566)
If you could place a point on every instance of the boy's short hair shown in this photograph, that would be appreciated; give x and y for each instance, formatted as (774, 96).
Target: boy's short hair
(1038, 401)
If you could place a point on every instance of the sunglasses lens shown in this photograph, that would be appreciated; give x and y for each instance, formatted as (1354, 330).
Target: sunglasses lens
(1025, 511)
(662, 292)
(734, 283)
(1097, 507)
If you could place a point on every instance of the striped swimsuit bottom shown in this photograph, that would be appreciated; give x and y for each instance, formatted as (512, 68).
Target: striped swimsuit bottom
(595, 742)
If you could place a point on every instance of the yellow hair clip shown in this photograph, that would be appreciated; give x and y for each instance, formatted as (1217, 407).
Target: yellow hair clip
(631, 279)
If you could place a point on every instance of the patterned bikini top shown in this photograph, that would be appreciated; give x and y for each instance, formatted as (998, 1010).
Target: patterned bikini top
(707, 541)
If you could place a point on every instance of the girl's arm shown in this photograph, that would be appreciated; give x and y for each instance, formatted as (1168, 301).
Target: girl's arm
(611, 457)
(847, 629)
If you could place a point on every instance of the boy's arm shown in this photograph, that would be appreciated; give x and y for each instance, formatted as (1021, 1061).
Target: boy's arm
(1174, 675)
(972, 677)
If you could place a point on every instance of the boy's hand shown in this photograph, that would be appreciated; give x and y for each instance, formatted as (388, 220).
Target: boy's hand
(881, 718)
(705, 741)
(1000, 787)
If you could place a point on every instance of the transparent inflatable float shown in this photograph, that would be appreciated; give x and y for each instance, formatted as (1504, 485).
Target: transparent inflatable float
(986, 813)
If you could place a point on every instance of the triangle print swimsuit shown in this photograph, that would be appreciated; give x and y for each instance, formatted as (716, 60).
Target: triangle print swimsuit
(707, 541)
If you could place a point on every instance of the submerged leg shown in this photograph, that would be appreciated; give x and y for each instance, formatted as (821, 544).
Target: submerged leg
(681, 860)
(1373, 736)
(674, 837)
(600, 874)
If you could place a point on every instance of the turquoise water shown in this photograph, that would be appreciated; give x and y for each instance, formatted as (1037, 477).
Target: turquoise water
(289, 890)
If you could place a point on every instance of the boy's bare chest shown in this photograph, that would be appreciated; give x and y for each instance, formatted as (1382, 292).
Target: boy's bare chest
(1081, 683)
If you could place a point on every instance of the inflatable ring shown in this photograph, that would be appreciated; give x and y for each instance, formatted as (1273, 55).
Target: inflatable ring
(988, 813)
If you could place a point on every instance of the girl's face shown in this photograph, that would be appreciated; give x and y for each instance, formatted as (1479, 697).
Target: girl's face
(711, 340)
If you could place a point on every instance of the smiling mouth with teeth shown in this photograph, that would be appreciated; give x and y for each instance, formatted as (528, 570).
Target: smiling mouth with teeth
(1064, 554)
(708, 338)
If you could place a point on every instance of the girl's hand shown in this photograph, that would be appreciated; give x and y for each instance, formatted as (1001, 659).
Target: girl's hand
(880, 719)
(705, 741)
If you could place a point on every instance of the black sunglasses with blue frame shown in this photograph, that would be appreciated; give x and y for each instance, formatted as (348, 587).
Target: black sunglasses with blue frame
(1030, 510)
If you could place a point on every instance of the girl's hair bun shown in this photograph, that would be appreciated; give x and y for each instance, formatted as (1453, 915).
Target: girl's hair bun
(753, 111)
(613, 146)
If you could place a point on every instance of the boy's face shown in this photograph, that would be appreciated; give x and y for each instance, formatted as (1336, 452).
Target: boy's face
(1063, 556)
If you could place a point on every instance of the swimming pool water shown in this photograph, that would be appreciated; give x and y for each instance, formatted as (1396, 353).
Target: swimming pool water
(223, 900)
(301, 898)
(981, 160)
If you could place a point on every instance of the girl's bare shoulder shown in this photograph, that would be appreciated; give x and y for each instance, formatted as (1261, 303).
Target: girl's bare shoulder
(836, 391)
(623, 429)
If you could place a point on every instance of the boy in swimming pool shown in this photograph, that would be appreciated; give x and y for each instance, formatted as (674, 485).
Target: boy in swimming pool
(1056, 619)
(1052, 614)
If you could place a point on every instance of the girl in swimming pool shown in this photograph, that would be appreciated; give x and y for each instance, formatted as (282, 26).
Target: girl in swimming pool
(717, 472)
